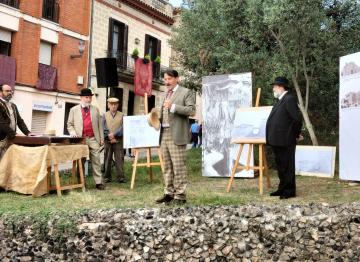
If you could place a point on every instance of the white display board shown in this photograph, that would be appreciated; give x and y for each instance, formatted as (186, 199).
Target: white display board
(315, 161)
(138, 133)
(349, 112)
(222, 95)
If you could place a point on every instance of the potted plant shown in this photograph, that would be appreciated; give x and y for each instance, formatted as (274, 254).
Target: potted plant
(135, 54)
(147, 59)
(157, 60)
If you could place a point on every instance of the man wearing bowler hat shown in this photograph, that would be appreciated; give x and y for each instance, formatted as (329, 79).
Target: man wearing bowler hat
(113, 132)
(85, 121)
(282, 132)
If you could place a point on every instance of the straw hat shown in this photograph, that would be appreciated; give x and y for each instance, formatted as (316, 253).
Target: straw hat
(153, 119)
(113, 100)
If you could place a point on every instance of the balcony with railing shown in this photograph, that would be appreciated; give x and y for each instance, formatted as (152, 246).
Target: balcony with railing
(51, 10)
(12, 3)
(126, 65)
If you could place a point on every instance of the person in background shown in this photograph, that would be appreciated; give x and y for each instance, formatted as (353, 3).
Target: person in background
(194, 129)
(200, 135)
(9, 119)
(85, 121)
(112, 123)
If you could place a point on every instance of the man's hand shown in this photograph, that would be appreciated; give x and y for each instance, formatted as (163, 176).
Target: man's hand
(113, 141)
(300, 138)
(111, 136)
(31, 134)
(101, 142)
(74, 135)
(167, 104)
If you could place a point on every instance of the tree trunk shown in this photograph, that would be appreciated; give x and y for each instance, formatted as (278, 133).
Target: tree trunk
(305, 113)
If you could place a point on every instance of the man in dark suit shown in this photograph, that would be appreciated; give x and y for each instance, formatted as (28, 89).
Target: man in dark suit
(282, 132)
(9, 119)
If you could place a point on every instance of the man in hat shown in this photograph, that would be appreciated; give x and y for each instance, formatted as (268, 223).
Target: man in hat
(282, 132)
(112, 123)
(85, 121)
(9, 118)
(178, 105)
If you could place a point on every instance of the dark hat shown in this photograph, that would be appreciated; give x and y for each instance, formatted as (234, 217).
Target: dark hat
(281, 81)
(86, 92)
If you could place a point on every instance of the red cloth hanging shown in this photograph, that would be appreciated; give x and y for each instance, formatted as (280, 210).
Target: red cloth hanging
(7, 70)
(47, 77)
(143, 77)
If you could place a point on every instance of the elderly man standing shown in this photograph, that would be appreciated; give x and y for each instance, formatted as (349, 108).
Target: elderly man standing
(9, 118)
(85, 121)
(178, 105)
(113, 132)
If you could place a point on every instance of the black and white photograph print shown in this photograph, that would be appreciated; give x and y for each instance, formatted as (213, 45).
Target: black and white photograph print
(222, 95)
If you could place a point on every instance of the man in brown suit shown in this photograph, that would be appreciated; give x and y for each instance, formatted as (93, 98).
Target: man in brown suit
(9, 118)
(113, 132)
(178, 105)
(85, 121)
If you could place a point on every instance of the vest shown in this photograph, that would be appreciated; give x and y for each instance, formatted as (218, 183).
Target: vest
(114, 123)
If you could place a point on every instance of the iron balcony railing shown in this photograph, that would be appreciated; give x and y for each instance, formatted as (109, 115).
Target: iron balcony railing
(12, 3)
(51, 10)
(126, 63)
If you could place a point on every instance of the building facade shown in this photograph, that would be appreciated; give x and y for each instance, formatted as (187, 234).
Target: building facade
(118, 28)
(44, 56)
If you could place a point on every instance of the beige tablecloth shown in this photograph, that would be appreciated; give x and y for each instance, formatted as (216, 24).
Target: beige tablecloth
(24, 169)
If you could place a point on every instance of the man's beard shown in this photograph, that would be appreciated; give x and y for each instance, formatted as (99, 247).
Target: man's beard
(8, 98)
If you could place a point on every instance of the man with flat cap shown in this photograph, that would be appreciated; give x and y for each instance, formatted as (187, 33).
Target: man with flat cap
(85, 121)
(282, 132)
(112, 123)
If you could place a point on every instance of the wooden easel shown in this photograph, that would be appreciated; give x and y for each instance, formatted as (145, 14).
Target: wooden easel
(148, 162)
(262, 167)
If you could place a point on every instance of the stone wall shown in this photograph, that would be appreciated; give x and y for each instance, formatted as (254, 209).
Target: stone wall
(315, 232)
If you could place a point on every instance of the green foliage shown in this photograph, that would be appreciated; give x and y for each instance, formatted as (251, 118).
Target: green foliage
(135, 53)
(302, 40)
(147, 57)
(157, 60)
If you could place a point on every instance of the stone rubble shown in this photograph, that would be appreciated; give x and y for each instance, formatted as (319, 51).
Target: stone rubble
(313, 232)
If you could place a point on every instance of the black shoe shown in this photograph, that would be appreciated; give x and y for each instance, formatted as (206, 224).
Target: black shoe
(286, 196)
(178, 202)
(107, 180)
(164, 199)
(100, 187)
(276, 193)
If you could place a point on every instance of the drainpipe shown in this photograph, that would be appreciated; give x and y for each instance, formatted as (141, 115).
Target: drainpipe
(90, 42)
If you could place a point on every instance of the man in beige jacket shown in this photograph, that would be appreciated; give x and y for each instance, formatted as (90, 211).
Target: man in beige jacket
(178, 105)
(85, 121)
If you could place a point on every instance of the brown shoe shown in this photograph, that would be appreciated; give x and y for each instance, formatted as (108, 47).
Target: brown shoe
(100, 187)
(164, 199)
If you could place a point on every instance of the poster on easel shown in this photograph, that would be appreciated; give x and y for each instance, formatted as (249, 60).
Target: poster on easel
(222, 95)
(349, 113)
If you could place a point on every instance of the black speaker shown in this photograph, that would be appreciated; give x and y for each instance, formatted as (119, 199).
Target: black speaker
(106, 72)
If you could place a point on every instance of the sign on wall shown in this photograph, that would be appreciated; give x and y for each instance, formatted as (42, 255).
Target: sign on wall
(349, 113)
(222, 95)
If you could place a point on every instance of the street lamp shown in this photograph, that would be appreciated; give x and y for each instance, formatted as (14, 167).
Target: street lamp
(81, 50)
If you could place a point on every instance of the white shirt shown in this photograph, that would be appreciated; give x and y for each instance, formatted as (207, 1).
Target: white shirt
(282, 95)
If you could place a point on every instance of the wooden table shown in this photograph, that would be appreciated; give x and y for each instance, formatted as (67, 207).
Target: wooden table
(33, 141)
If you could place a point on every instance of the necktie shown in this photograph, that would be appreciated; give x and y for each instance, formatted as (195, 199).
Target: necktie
(169, 94)
(86, 109)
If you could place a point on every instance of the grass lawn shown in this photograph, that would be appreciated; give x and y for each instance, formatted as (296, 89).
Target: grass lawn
(201, 191)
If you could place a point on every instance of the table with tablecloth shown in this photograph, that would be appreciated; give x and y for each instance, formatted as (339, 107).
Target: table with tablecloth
(27, 170)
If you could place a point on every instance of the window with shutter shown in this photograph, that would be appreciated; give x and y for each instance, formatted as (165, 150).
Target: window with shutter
(38, 122)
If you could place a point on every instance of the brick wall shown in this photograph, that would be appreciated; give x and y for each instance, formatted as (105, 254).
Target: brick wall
(74, 16)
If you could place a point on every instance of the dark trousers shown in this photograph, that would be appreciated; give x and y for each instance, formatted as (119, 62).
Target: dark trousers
(285, 164)
(117, 150)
